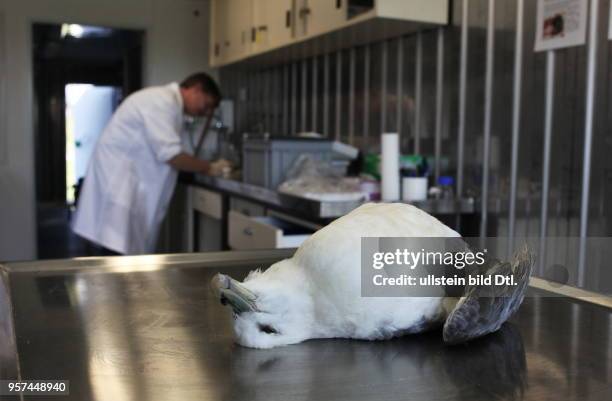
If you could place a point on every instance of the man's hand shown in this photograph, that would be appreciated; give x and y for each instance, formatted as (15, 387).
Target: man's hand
(219, 167)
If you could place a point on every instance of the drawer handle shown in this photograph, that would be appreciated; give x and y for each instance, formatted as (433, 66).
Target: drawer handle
(248, 231)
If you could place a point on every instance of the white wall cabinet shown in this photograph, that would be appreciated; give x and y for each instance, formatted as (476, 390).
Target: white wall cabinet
(273, 24)
(322, 16)
(231, 25)
(242, 29)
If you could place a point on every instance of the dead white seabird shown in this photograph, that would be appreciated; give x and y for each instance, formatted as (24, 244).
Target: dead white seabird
(317, 292)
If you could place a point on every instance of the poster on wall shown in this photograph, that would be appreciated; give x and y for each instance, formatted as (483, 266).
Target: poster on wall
(561, 23)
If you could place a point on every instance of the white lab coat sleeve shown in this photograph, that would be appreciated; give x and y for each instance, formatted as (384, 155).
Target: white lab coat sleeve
(162, 134)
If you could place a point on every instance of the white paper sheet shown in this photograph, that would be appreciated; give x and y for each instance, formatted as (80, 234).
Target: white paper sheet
(561, 23)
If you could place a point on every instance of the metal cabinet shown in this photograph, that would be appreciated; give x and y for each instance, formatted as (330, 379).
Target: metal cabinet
(263, 232)
(245, 207)
(207, 230)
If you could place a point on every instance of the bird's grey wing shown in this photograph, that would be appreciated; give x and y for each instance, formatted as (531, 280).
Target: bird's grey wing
(483, 308)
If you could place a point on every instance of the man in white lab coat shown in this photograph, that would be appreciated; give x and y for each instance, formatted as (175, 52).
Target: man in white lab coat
(133, 170)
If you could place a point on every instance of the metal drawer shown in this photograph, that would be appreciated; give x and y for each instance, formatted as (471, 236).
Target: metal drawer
(208, 203)
(263, 232)
(247, 208)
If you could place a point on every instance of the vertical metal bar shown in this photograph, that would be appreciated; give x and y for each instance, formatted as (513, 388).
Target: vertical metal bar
(463, 64)
(266, 100)
(516, 120)
(294, 96)
(286, 99)
(279, 101)
(304, 94)
(439, 101)
(315, 93)
(338, 95)
(487, 118)
(548, 121)
(418, 76)
(588, 139)
(258, 85)
(351, 112)
(326, 94)
(383, 83)
(366, 95)
(400, 85)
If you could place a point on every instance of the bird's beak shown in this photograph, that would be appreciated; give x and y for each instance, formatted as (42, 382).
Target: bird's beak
(232, 292)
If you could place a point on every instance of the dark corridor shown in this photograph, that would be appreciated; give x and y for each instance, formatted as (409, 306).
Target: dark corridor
(63, 54)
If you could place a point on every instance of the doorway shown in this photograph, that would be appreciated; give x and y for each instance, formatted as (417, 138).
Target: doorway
(88, 110)
(81, 75)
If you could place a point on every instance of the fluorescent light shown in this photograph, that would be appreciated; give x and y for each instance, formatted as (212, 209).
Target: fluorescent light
(74, 30)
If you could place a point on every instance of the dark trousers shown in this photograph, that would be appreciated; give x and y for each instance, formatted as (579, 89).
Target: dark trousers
(94, 249)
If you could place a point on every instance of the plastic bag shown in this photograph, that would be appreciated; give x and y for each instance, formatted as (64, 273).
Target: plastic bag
(320, 180)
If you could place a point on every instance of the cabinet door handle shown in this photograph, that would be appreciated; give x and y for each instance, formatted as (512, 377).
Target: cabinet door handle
(288, 19)
(253, 34)
(248, 231)
(338, 4)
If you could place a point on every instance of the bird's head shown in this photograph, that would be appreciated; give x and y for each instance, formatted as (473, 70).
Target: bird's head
(270, 308)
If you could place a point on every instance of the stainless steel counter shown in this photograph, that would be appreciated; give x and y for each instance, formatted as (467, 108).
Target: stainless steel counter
(146, 328)
(313, 209)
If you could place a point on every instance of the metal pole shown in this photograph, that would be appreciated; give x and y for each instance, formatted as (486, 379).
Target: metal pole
(400, 84)
(294, 97)
(279, 101)
(351, 117)
(548, 121)
(326, 94)
(516, 120)
(315, 93)
(487, 118)
(463, 63)
(383, 83)
(286, 99)
(439, 101)
(418, 89)
(338, 94)
(588, 139)
(304, 94)
(366, 95)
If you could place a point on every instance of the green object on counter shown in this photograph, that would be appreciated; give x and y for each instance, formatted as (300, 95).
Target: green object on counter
(371, 164)
(411, 162)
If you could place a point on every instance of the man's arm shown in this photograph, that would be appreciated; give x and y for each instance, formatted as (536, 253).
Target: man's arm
(186, 162)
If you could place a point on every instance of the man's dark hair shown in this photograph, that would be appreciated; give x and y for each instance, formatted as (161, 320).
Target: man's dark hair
(206, 83)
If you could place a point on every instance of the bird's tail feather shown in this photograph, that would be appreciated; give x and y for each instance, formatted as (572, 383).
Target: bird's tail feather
(484, 308)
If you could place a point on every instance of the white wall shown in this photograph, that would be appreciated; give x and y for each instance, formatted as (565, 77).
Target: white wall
(176, 44)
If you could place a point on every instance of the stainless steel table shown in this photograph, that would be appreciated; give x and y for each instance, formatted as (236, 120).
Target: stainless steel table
(146, 328)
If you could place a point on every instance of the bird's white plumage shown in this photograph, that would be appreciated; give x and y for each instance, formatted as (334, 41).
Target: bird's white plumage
(317, 292)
